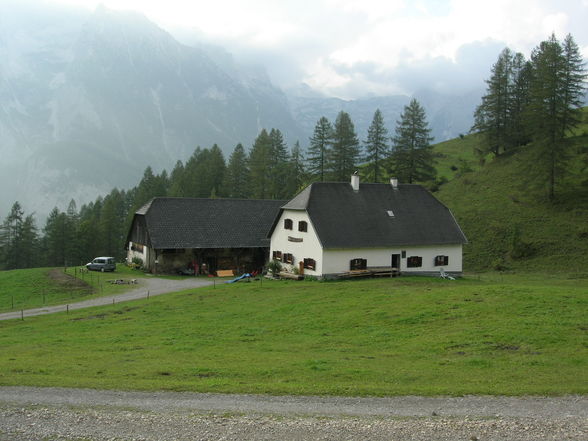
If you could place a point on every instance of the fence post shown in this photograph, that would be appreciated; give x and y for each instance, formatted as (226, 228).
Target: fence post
(67, 308)
(22, 314)
(12, 302)
(147, 294)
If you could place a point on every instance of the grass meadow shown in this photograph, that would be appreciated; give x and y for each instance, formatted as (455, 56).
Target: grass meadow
(487, 334)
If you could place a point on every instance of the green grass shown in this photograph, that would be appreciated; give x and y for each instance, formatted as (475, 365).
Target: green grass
(498, 200)
(489, 334)
(34, 288)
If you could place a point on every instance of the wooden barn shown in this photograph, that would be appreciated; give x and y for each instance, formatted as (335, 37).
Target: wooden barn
(206, 235)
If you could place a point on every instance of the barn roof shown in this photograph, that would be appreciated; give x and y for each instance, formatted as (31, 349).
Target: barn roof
(377, 215)
(208, 223)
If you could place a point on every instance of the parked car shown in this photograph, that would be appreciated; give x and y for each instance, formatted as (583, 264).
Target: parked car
(102, 264)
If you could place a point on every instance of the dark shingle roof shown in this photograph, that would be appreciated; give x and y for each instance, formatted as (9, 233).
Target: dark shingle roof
(347, 219)
(209, 223)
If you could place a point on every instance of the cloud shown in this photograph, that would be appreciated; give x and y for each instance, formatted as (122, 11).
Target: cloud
(350, 46)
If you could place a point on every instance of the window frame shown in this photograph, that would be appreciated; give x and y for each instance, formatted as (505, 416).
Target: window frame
(309, 263)
(277, 255)
(288, 224)
(358, 263)
(441, 260)
(303, 226)
(414, 262)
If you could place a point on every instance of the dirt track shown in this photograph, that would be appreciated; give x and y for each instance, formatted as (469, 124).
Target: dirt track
(72, 414)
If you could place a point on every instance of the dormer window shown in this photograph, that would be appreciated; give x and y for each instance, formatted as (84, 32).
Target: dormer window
(302, 226)
(288, 224)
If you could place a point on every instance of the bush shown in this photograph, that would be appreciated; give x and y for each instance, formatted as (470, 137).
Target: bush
(274, 266)
(136, 263)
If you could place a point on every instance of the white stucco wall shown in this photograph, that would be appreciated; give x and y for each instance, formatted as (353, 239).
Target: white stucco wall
(337, 261)
(309, 248)
(141, 255)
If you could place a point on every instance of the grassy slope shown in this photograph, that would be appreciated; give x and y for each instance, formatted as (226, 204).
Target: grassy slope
(508, 335)
(494, 201)
(33, 288)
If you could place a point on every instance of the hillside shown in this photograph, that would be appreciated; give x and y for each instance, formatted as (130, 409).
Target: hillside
(508, 221)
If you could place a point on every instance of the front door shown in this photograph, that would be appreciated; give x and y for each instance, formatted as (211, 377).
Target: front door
(396, 261)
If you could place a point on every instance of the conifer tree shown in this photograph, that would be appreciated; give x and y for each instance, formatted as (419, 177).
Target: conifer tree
(555, 94)
(237, 175)
(296, 171)
(278, 165)
(176, 180)
(259, 166)
(493, 118)
(412, 156)
(319, 148)
(11, 236)
(55, 238)
(376, 147)
(345, 151)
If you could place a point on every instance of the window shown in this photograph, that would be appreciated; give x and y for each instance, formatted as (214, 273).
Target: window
(288, 258)
(414, 262)
(302, 226)
(137, 247)
(404, 254)
(358, 264)
(390, 213)
(441, 260)
(277, 255)
(310, 264)
(288, 224)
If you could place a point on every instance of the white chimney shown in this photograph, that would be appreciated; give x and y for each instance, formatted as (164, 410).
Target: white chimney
(355, 181)
(394, 183)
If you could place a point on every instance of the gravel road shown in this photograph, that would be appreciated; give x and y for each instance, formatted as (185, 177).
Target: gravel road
(154, 286)
(92, 415)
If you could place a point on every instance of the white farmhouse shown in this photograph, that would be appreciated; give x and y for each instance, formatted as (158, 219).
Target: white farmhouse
(332, 228)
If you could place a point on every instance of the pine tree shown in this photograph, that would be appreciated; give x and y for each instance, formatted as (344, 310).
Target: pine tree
(412, 156)
(345, 151)
(237, 175)
(376, 146)
(319, 148)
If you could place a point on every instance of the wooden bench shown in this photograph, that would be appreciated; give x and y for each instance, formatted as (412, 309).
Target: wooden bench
(225, 273)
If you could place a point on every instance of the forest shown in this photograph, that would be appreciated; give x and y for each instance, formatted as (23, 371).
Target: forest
(532, 104)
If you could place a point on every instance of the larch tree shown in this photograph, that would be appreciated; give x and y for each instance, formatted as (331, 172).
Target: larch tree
(555, 95)
(412, 155)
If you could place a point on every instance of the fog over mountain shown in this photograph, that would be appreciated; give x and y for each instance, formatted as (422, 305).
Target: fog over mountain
(88, 100)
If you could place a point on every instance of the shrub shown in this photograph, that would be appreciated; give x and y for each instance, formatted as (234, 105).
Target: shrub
(274, 266)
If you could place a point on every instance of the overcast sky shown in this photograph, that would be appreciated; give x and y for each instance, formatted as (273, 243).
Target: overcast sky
(357, 48)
